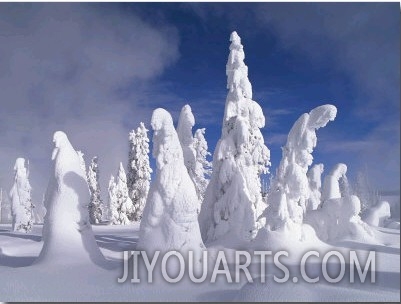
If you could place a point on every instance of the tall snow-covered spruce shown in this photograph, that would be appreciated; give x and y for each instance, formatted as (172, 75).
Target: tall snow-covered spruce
(287, 201)
(233, 199)
(67, 233)
(203, 167)
(170, 217)
(5, 205)
(139, 171)
(20, 197)
(96, 203)
(121, 205)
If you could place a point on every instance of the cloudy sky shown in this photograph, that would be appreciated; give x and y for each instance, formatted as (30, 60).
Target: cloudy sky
(96, 70)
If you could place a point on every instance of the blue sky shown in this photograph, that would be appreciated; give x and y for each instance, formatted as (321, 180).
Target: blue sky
(97, 70)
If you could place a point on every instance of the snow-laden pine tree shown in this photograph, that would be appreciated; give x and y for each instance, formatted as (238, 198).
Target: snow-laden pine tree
(290, 188)
(6, 216)
(364, 191)
(107, 215)
(121, 205)
(233, 199)
(338, 218)
(96, 203)
(67, 234)
(139, 171)
(82, 160)
(20, 197)
(186, 121)
(203, 167)
(170, 217)
(314, 175)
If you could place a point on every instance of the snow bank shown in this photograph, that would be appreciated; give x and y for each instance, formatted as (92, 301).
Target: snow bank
(170, 218)
(67, 233)
(233, 200)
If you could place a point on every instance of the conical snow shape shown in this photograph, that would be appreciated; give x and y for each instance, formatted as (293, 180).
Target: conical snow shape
(233, 200)
(170, 219)
(67, 234)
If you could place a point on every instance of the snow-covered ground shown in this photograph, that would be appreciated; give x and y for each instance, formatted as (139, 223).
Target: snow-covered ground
(21, 281)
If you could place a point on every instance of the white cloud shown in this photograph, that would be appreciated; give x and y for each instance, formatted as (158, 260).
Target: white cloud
(64, 67)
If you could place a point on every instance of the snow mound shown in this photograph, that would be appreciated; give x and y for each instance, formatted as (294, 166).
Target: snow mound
(338, 217)
(170, 218)
(67, 233)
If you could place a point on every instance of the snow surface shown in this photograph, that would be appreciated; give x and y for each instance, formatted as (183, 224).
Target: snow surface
(21, 282)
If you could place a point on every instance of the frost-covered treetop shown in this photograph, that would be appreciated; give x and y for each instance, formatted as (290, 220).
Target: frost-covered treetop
(185, 125)
(164, 132)
(238, 83)
(20, 166)
(331, 186)
(302, 138)
(339, 170)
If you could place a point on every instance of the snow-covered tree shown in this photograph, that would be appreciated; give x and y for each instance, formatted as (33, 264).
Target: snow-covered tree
(339, 215)
(121, 205)
(290, 188)
(314, 175)
(6, 216)
(82, 160)
(233, 200)
(194, 149)
(139, 171)
(20, 197)
(170, 218)
(185, 124)
(39, 211)
(364, 191)
(67, 233)
(203, 167)
(96, 203)
(107, 215)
